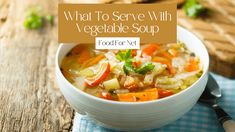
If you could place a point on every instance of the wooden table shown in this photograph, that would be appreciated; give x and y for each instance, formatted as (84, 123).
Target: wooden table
(30, 100)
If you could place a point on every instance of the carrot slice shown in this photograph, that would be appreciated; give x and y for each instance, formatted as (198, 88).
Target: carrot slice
(164, 93)
(100, 76)
(151, 90)
(136, 64)
(83, 56)
(150, 49)
(166, 55)
(166, 62)
(160, 59)
(171, 68)
(192, 65)
(92, 61)
(128, 97)
(134, 52)
(105, 95)
(139, 96)
(78, 48)
(81, 52)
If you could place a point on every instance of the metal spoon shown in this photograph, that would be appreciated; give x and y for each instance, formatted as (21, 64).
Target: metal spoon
(210, 95)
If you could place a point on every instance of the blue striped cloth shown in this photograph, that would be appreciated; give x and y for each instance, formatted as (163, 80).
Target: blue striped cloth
(199, 119)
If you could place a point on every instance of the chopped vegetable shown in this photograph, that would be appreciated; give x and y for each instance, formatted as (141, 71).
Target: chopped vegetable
(151, 90)
(160, 60)
(171, 68)
(164, 93)
(120, 52)
(130, 83)
(150, 49)
(193, 8)
(128, 66)
(186, 75)
(190, 80)
(176, 85)
(105, 95)
(100, 76)
(145, 68)
(174, 45)
(121, 91)
(111, 84)
(86, 72)
(173, 52)
(166, 62)
(166, 80)
(93, 61)
(148, 79)
(124, 56)
(158, 69)
(127, 58)
(134, 52)
(83, 56)
(136, 64)
(168, 83)
(77, 49)
(127, 97)
(192, 65)
(179, 62)
(139, 96)
(166, 55)
(132, 75)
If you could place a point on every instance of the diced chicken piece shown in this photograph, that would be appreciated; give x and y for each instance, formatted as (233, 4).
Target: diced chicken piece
(130, 83)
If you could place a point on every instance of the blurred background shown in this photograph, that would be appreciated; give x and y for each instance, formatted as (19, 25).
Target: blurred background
(30, 99)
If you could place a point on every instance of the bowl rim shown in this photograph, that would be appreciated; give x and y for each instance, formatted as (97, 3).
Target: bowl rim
(61, 76)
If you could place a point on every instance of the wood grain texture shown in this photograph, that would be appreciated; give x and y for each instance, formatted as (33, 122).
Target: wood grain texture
(30, 99)
(217, 31)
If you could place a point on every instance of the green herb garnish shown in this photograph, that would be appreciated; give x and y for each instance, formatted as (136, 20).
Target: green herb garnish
(128, 67)
(33, 21)
(193, 8)
(124, 56)
(145, 68)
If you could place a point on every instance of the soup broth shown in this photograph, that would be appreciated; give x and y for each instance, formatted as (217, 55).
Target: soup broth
(152, 72)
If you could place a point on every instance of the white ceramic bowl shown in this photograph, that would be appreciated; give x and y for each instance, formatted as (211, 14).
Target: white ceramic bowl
(141, 115)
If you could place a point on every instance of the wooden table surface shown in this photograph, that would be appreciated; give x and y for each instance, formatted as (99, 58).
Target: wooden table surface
(29, 97)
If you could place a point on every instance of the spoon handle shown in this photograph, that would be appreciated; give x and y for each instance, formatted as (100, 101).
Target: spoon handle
(229, 126)
(224, 119)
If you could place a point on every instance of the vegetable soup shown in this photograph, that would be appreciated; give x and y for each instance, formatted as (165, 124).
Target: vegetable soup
(152, 72)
